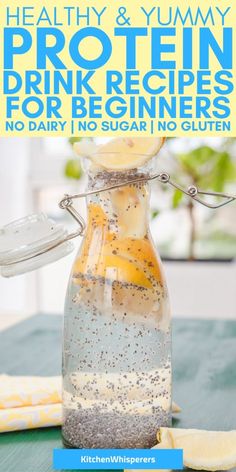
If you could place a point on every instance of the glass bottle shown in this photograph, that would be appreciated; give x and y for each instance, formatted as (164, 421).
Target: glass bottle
(117, 336)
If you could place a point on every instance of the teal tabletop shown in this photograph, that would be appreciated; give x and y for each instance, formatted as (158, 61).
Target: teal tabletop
(204, 381)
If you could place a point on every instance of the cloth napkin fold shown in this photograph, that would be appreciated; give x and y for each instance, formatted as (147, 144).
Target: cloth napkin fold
(26, 391)
(33, 402)
(29, 402)
(30, 417)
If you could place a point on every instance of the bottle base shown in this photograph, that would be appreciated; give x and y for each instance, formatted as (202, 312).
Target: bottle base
(68, 445)
(111, 431)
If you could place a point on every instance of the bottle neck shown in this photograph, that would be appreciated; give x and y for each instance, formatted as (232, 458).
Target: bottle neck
(123, 212)
(101, 178)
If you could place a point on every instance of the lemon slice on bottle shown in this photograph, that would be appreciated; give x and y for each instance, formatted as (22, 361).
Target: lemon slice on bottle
(121, 153)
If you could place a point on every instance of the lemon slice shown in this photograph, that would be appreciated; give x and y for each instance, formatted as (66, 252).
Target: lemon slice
(130, 204)
(85, 147)
(121, 153)
(164, 439)
(113, 267)
(203, 450)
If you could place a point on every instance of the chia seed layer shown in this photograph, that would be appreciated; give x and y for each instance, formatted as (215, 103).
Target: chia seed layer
(90, 429)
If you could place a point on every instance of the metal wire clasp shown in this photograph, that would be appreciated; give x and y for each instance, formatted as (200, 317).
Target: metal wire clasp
(193, 192)
(66, 204)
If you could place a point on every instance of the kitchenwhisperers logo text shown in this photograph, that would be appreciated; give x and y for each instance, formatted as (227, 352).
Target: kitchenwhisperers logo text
(129, 68)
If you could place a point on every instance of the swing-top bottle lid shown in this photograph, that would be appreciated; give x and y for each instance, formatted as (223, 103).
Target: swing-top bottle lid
(30, 243)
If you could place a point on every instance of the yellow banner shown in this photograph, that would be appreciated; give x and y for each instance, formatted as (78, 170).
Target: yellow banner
(118, 68)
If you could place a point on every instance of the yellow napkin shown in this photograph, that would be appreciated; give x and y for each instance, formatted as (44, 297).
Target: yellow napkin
(29, 402)
(26, 391)
(32, 402)
(30, 417)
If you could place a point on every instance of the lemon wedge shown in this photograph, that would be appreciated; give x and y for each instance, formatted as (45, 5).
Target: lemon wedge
(120, 153)
(203, 450)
